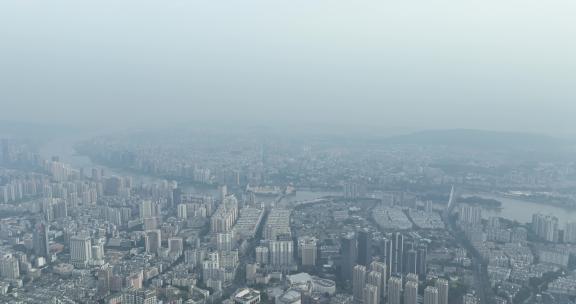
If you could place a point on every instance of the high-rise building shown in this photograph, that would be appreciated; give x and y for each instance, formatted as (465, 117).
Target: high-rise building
(351, 191)
(431, 295)
(307, 251)
(375, 278)
(470, 215)
(570, 233)
(182, 211)
(146, 209)
(412, 277)
(397, 253)
(411, 292)
(364, 248)
(80, 250)
(40, 241)
(387, 255)
(370, 294)
(395, 290)
(348, 252)
(224, 241)
(359, 282)
(9, 267)
(262, 255)
(281, 253)
(104, 275)
(153, 241)
(545, 226)
(421, 268)
(139, 296)
(411, 261)
(175, 245)
(383, 270)
(442, 286)
(470, 298)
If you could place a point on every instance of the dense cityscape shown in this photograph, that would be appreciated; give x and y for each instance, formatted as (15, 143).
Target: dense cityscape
(200, 217)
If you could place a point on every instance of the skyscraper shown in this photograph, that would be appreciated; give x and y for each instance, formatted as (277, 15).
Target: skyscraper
(348, 252)
(442, 286)
(40, 241)
(387, 255)
(411, 292)
(364, 248)
(394, 290)
(411, 261)
(359, 282)
(397, 253)
(431, 295)
(421, 260)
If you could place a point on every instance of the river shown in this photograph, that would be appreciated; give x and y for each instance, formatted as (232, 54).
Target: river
(522, 210)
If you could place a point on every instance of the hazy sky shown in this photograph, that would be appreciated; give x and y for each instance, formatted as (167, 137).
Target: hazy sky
(491, 64)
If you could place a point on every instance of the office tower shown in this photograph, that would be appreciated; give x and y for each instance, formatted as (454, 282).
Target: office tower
(262, 255)
(281, 253)
(570, 233)
(397, 253)
(175, 245)
(359, 282)
(9, 267)
(422, 270)
(364, 248)
(40, 241)
(387, 255)
(224, 241)
(411, 292)
(411, 261)
(431, 295)
(370, 294)
(375, 278)
(394, 290)
(80, 250)
(182, 211)
(348, 254)
(383, 270)
(153, 241)
(307, 251)
(442, 286)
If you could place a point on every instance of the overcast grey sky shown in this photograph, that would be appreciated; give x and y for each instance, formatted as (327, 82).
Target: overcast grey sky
(491, 64)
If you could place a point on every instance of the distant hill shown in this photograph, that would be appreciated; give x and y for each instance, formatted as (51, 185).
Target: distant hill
(478, 138)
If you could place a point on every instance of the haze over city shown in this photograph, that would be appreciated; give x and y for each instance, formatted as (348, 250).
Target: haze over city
(287, 152)
(493, 65)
